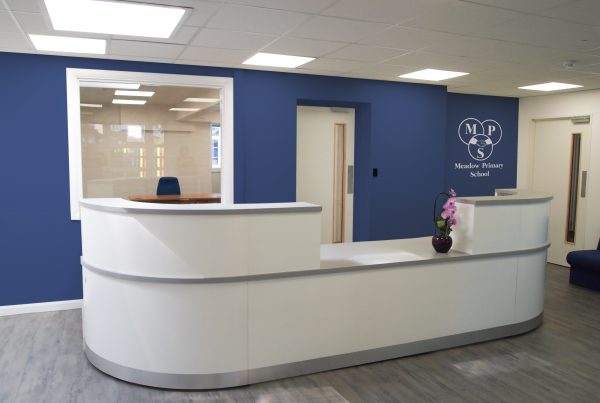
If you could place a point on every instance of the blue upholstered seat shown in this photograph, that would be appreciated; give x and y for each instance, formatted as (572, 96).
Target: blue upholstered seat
(168, 185)
(585, 268)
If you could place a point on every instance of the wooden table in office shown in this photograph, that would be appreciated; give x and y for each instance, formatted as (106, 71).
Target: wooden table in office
(189, 198)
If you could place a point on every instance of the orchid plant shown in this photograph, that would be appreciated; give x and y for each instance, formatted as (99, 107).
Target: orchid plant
(446, 219)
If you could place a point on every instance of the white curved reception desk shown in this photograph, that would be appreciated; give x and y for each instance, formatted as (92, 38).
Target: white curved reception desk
(212, 296)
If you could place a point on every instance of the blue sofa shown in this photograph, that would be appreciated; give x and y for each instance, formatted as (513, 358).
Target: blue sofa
(585, 268)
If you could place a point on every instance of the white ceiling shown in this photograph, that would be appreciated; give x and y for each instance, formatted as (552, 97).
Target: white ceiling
(502, 43)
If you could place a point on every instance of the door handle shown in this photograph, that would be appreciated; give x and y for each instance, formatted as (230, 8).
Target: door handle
(583, 183)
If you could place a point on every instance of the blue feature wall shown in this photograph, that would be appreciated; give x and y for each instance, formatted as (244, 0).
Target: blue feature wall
(481, 143)
(403, 130)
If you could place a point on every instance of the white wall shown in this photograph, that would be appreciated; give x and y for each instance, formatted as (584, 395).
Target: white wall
(557, 106)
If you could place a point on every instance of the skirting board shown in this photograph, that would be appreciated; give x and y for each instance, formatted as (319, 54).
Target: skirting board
(8, 310)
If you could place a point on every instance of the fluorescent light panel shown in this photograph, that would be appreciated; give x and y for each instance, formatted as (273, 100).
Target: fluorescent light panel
(433, 74)
(184, 109)
(552, 86)
(129, 101)
(114, 18)
(99, 84)
(90, 105)
(208, 100)
(275, 60)
(68, 44)
(125, 93)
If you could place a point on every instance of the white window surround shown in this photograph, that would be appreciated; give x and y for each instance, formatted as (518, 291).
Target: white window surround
(76, 76)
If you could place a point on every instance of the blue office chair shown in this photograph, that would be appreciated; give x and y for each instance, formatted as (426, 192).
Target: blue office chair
(168, 185)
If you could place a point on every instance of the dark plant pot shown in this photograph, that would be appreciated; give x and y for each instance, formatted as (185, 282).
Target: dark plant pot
(441, 244)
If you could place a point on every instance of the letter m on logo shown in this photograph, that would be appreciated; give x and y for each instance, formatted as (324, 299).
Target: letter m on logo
(471, 128)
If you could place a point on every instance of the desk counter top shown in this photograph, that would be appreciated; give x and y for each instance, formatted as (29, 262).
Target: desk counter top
(118, 205)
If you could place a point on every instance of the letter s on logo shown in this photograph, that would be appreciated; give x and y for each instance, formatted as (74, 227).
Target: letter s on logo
(480, 153)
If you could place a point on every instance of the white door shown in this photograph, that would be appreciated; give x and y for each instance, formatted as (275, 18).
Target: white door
(560, 165)
(325, 167)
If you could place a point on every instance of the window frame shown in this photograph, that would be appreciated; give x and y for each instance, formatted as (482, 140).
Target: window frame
(76, 76)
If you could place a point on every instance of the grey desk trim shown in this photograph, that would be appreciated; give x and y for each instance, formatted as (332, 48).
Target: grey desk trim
(240, 211)
(301, 273)
(245, 377)
(504, 200)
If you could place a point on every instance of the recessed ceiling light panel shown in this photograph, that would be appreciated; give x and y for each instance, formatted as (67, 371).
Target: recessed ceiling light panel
(126, 93)
(202, 100)
(68, 44)
(433, 75)
(184, 109)
(129, 101)
(552, 86)
(90, 105)
(114, 18)
(275, 60)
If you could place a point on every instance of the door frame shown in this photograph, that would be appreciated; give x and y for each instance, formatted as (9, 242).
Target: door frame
(531, 154)
(76, 76)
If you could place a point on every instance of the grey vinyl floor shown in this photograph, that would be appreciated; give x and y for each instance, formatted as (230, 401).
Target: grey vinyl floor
(41, 360)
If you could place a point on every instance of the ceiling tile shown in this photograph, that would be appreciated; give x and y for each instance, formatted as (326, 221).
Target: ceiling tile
(382, 70)
(582, 12)
(333, 65)
(304, 6)
(205, 63)
(183, 35)
(461, 18)
(541, 31)
(201, 13)
(300, 70)
(586, 69)
(33, 23)
(590, 81)
(253, 19)
(303, 47)
(142, 59)
(31, 6)
(496, 50)
(215, 55)
(423, 60)
(336, 29)
(365, 53)
(388, 11)
(6, 23)
(529, 74)
(530, 6)
(216, 38)
(407, 38)
(149, 49)
(14, 40)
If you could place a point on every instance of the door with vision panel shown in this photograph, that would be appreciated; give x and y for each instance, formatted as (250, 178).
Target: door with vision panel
(325, 167)
(560, 166)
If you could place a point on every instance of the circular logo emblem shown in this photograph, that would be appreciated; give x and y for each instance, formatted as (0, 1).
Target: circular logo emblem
(480, 147)
(480, 137)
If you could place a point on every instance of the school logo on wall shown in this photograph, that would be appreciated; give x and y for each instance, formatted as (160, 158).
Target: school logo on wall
(480, 137)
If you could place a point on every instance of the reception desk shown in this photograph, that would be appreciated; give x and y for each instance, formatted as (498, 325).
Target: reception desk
(212, 296)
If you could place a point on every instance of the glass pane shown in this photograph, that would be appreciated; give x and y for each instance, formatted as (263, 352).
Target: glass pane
(573, 187)
(127, 147)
